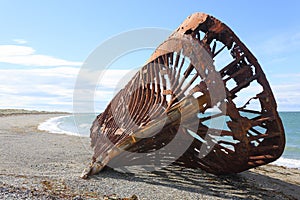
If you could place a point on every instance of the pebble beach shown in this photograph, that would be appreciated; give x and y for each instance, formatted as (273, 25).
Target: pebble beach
(35, 164)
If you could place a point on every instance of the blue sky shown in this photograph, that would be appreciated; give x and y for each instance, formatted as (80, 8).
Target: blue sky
(44, 43)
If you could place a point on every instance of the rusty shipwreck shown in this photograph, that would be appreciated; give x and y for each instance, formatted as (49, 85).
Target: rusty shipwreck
(162, 115)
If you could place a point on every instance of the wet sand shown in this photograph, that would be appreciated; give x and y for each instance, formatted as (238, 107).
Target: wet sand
(38, 165)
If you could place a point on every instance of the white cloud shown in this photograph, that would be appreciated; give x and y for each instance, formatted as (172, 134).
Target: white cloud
(108, 82)
(41, 89)
(287, 96)
(116, 78)
(285, 42)
(52, 88)
(26, 56)
(20, 41)
(15, 50)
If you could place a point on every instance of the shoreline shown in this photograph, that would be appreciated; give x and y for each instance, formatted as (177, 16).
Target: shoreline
(40, 165)
(51, 126)
(15, 112)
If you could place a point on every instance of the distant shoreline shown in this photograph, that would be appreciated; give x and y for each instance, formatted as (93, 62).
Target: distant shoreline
(12, 112)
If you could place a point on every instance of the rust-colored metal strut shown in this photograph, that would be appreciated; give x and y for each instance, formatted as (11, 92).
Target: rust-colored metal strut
(200, 76)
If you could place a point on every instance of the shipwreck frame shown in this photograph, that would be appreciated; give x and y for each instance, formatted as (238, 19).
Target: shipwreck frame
(177, 92)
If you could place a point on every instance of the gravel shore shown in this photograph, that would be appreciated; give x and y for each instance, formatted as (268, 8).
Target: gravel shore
(40, 165)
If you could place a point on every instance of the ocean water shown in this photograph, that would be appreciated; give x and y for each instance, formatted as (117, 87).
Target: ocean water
(80, 124)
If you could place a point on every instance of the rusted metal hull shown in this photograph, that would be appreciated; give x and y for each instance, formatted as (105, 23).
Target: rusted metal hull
(172, 97)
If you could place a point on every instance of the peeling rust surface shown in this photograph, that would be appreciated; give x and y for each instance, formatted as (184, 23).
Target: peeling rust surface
(173, 95)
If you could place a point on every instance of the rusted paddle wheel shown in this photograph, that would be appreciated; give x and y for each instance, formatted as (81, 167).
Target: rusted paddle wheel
(170, 111)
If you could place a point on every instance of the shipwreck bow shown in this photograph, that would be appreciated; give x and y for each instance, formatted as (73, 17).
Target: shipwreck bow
(201, 73)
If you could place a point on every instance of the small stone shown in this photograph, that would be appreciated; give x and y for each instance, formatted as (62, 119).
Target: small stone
(78, 198)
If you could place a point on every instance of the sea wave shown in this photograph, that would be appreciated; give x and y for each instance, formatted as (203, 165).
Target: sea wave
(52, 125)
(287, 162)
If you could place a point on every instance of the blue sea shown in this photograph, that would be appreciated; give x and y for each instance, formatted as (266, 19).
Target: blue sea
(80, 124)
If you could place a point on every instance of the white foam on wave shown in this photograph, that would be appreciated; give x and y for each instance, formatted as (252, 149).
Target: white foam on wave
(86, 126)
(52, 125)
(286, 162)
